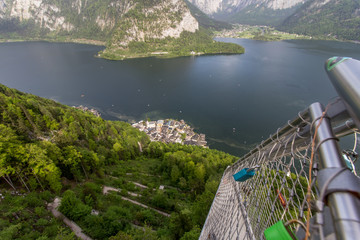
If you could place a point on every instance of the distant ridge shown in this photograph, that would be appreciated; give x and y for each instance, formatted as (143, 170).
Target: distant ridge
(258, 12)
(322, 19)
(205, 21)
(331, 18)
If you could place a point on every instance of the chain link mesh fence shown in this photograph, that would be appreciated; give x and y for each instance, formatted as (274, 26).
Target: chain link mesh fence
(277, 191)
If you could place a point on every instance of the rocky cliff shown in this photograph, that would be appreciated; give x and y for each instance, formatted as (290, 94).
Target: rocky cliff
(217, 6)
(76, 18)
(2, 8)
(266, 12)
(48, 16)
(167, 19)
(99, 19)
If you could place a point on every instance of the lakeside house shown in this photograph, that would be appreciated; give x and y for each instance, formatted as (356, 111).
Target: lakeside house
(90, 110)
(171, 131)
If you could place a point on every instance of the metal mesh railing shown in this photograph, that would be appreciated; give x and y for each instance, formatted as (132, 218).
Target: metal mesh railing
(283, 187)
(243, 210)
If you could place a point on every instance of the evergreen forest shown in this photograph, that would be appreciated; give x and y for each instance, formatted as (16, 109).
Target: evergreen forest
(198, 43)
(333, 20)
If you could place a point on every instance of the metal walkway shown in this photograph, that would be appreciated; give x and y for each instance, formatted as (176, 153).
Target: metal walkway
(300, 173)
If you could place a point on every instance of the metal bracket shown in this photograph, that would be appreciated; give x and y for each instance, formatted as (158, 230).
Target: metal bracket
(337, 183)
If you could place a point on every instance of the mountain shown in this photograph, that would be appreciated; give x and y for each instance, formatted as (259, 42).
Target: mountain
(331, 18)
(99, 19)
(266, 12)
(131, 28)
(205, 21)
(49, 18)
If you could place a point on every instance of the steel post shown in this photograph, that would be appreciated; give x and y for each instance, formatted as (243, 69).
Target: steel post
(344, 206)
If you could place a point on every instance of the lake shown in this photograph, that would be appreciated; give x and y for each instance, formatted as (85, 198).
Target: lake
(236, 100)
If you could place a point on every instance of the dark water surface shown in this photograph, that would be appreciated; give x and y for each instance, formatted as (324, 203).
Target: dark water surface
(254, 93)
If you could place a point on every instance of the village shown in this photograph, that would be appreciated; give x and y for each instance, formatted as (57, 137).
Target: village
(90, 110)
(171, 131)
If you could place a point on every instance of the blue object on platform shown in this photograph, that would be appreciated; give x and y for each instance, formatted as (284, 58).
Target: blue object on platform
(348, 162)
(244, 175)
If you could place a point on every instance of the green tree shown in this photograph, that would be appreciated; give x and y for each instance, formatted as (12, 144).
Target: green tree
(9, 232)
(175, 174)
(192, 235)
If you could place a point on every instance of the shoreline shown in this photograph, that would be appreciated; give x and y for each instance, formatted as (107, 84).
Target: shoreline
(219, 48)
(163, 56)
(312, 39)
(148, 55)
(75, 40)
(118, 57)
(270, 34)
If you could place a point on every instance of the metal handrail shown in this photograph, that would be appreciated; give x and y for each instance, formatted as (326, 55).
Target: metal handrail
(342, 196)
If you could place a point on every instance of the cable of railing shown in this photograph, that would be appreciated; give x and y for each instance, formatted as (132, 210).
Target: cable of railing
(279, 134)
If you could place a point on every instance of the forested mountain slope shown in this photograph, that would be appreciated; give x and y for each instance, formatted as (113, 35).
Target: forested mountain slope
(41, 140)
(46, 146)
(333, 18)
(261, 12)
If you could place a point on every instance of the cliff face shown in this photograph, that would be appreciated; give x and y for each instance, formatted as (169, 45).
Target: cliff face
(168, 18)
(129, 20)
(212, 7)
(2, 8)
(47, 15)
(68, 16)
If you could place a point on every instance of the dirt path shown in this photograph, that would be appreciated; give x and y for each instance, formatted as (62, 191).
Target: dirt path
(76, 229)
(73, 226)
(107, 189)
(139, 185)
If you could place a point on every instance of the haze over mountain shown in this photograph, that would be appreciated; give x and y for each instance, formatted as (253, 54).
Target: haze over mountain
(249, 11)
(218, 6)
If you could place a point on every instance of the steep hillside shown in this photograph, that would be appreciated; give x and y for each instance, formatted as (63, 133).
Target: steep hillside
(162, 28)
(39, 18)
(212, 7)
(330, 18)
(47, 148)
(44, 140)
(154, 20)
(266, 12)
(205, 21)
(259, 15)
(128, 26)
